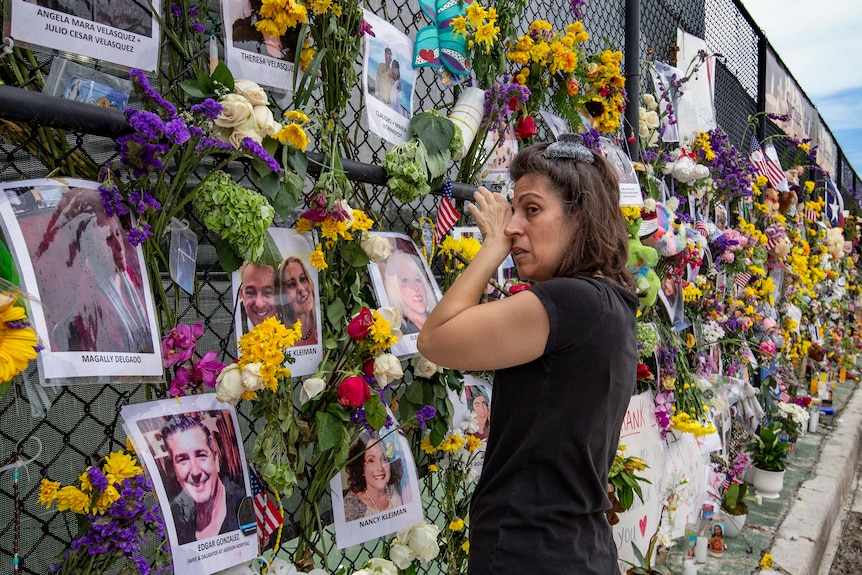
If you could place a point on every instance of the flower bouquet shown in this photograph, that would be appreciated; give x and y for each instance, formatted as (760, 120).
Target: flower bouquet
(114, 521)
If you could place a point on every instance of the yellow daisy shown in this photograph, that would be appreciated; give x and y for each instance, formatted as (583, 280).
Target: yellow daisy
(48, 492)
(120, 465)
(17, 343)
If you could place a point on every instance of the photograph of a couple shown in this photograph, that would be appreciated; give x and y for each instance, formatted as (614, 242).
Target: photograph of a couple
(390, 77)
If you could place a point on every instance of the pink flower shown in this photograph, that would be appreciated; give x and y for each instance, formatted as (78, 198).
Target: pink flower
(767, 347)
(179, 382)
(206, 370)
(179, 344)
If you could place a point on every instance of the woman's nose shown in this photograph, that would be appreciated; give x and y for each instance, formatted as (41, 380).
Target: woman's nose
(513, 228)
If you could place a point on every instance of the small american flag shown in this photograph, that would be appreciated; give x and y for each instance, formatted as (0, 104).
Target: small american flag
(811, 214)
(784, 397)
(447, 215)
(700, 227)
(265, 509)
(742, 279)
(765, 166)
(725, 485)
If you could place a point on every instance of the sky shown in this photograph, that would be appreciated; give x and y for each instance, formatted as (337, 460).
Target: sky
(820, 43)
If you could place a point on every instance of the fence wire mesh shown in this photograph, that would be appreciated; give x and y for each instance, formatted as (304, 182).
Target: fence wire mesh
(77, 424)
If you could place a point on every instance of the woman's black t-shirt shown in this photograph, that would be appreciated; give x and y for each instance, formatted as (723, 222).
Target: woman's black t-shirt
(555, 424)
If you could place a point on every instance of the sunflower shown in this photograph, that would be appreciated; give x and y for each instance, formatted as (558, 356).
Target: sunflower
(18, 341)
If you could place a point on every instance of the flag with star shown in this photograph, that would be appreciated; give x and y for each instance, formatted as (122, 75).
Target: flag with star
(447, 215)
(834, 204)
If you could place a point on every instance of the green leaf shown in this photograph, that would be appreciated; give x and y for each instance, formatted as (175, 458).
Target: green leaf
(335, 312)
(282, 196)
(626, 497)
(328, 430)
(271, 254)
(227, 257)
(354, 255)
(8, 271)
(435, 131)
(222, 75)
(438, 163)
(296, 160)
(439, 429)
(415, 392)
(205, 83)
(191, 88)
(375, 412)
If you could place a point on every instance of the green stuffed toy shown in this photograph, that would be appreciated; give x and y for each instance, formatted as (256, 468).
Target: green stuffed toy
(642, 260)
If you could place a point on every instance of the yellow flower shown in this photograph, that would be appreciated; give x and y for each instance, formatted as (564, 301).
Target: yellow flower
(294, 135)
(48, 492)
(336, 9)
(332, 229)
(381, 333)
(475, 14)
(306, 55)
(426, 446)
(766, 561)
(466, 547)
(120, 465)
(809, 186)
(303, 225)
(804, 147)
(452, 443)
(17, 344)
(106, 499)
(71, 498)
(361, 222)
(86, 486)
(689, 340)
(459, 26)
(296, 116)
(487, 34)
(433, 468)
(456, 524)
(321, 6)
(317, 259)
(473, 443)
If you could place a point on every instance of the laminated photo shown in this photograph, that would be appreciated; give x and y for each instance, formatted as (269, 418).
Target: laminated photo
(388, 79)
(289, 293)
(192, 449)
(253, 55)
(377, 492)
(122, 32)
(92, 303)
(404, 281)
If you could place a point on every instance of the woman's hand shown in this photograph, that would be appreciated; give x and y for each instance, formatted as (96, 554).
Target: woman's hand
(492, 213)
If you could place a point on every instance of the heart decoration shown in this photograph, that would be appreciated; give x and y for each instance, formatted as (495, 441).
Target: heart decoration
(427, 55)
(642, 524)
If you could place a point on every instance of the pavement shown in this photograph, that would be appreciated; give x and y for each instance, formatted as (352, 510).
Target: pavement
(801, 530)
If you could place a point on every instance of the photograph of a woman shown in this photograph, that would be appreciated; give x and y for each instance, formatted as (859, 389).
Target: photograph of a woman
(408, 289)
(374, 481)
(295, 299)
(564, 354)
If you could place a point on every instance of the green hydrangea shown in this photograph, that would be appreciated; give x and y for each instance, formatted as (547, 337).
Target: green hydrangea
(407, 166)
(647, 340)
(238, 215)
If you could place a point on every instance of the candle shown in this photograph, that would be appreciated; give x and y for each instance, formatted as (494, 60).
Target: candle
(467, 114)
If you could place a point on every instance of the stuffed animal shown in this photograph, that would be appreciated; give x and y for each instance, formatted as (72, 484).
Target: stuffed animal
(771, 200)
(777, 243)
(835, 242)
(642, 260)
(685, 169)
(787, 199)
(670, 238)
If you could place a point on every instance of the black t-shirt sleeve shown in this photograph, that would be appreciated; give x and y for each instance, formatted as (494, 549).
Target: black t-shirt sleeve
(577, 301)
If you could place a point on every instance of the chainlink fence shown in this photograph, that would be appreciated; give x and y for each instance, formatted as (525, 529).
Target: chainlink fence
(78, 424)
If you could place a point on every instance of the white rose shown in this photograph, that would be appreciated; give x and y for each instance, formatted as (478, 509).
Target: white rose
(422, 539)
(387, 368)
(251, 378)
(311, 388)
(376, 247)
(394, 317)
(425, 368)
(318, 572)
(253, 92)
(266, 123)
(382, 566)
(650, 102)
(643, 131)
(401, 555)
(236, 111)
(651, 119)
(241, 133)
(229, 387)
(281, 567)
(649, 205)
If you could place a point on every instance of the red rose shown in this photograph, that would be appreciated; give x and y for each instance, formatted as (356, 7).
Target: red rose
(518, 288)
(644, 372)
(353, 391)
(368, 367)
(525, 128)
(359, 326)
(513, 103)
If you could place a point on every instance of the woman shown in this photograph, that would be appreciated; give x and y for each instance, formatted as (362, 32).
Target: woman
(373, 482)
(565, 355)
(295, 299)
(481, 409)
(408, 290)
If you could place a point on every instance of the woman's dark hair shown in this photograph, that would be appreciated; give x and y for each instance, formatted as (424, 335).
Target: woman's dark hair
(356, 467)
(591, 197)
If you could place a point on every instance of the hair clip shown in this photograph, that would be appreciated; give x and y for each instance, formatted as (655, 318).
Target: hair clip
(569, 146)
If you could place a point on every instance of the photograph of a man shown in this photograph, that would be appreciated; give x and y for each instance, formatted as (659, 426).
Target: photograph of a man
(197, 457)
(256, 293)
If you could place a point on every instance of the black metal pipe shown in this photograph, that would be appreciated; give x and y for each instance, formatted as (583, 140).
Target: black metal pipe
(21, 105)
(633, 76)
(762, 47)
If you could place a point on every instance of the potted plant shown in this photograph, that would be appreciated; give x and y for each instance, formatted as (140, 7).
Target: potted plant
(768, 455)
(735, 508)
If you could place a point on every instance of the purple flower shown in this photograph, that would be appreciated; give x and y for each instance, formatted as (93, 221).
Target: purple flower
(576, 6)
(591, 139)
(258, 151)
(194, 11)
(207, 142)
(97, 479)
(176, 10)
(500, 99)
(176, 131)
(112, 200)
(198, 27)
(179, 382)
(423, 415)
(148, 94)
(207, 369)
(208, 108)
(179, 344)
(139, 235)
(142, 564)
